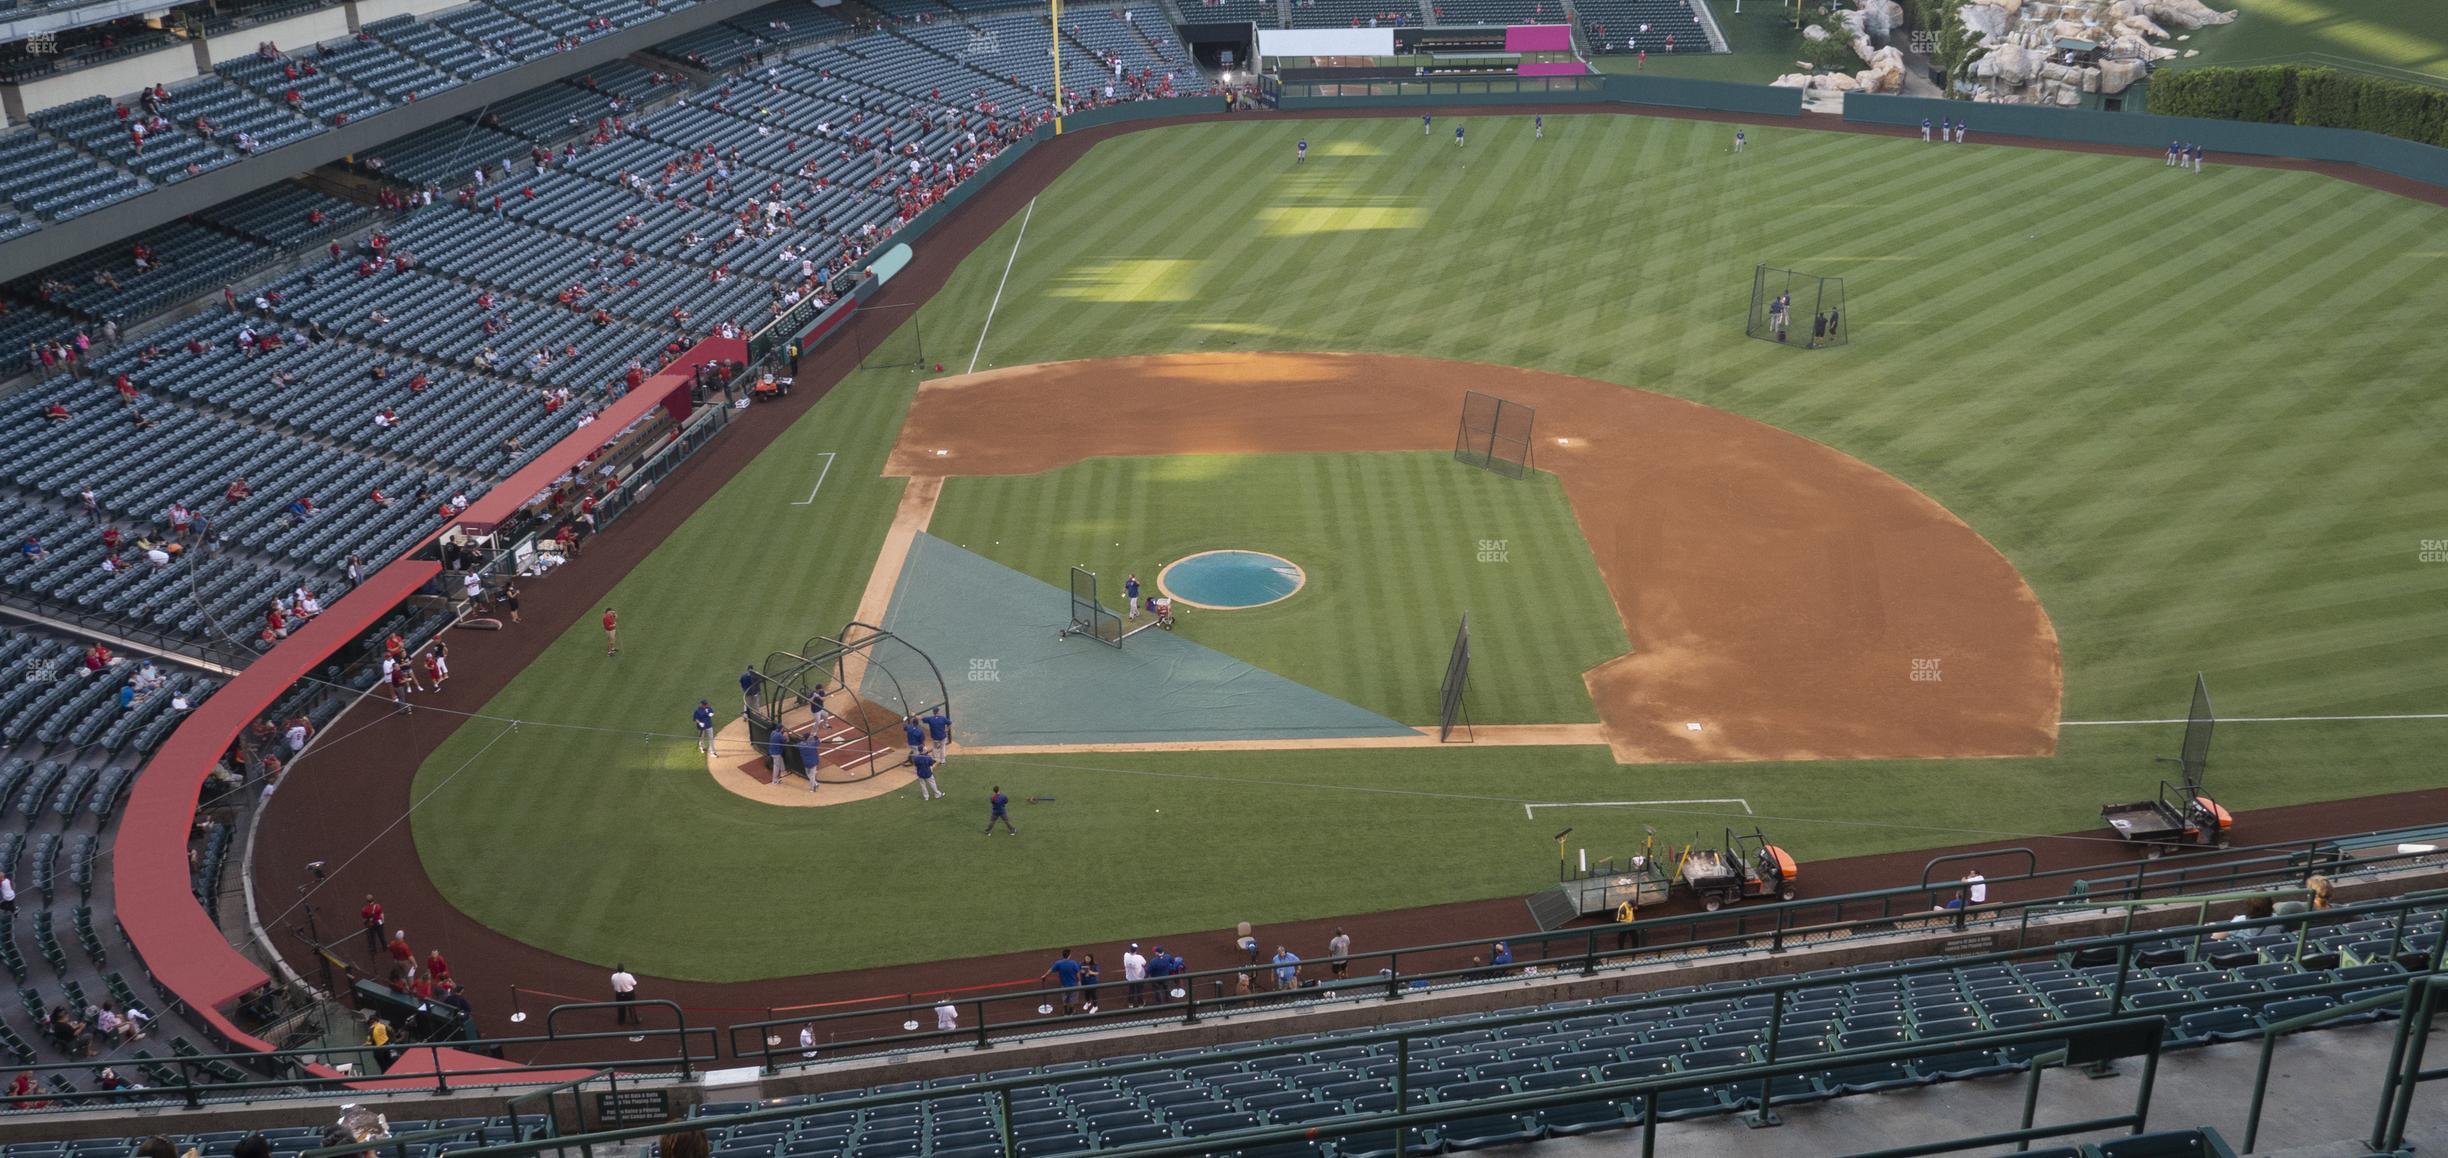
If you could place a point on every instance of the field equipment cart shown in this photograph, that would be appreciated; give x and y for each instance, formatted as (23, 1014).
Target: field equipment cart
(1747, 866)
(2180, 818)
(1602, 889)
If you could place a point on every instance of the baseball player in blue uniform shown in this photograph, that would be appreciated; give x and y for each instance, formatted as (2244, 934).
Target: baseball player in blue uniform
(1425, 121)
(928, 789)
(916, 734)
(811, 754)
(1538, 128)
(999, 811)
(1300, 152)
(1925, 127)
(1130, 595)
(939, 733)
(1457, 136)
(704, 715)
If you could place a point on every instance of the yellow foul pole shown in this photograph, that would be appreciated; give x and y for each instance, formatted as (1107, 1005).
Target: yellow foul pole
(1058, 88)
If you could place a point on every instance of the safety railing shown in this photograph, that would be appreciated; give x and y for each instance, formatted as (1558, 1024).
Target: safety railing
(2093, 1043)
(981, 1020)
(190, 1080)
(2425, 1000)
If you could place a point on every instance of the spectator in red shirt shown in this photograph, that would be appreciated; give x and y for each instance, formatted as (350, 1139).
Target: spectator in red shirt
(372, 916)
(436, 967)
(402, 956)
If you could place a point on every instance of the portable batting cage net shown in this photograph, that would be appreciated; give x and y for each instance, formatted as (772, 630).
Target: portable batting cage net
(1494, 435)
(849, 693)
(1089, 615)
(2199, 722)
(1797, 309)
(1452, 716)
(887, 337)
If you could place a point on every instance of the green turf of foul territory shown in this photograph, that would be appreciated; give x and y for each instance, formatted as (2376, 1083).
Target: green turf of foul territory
(2200, 413)
(1395, 548)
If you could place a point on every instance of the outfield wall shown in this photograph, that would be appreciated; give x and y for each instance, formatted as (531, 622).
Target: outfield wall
(1656, 91)
(2419, 162)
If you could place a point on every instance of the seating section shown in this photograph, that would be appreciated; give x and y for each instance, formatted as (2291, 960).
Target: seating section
(2208, 990)
(239, 120)
(303, 85)
(1506, 12)
(43, 178)
(1263, 13)
(1616, 25)
(164, 153)
(478, 332)
(287, 216)
(74, 740)
(386, 72)
(184, 260)
(1356, 14)
(444, 154)
(435, 46)
(1110, 38)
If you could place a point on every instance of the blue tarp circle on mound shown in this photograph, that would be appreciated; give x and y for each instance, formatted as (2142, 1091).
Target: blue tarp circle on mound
(1232, 578)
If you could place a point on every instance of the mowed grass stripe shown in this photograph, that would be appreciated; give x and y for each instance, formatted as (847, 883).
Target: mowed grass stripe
(2195, 413)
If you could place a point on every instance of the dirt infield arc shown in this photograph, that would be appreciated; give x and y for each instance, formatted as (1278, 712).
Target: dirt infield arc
(1792, 601)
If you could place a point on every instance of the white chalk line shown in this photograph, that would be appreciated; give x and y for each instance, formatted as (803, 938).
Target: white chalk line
(1531, 810)
(998, 298)
(820, 477)
(2256, 720)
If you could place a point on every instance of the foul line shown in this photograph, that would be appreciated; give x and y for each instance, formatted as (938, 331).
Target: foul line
(1531, 810)
(2255, 720)
(998, 298)
(820, 477)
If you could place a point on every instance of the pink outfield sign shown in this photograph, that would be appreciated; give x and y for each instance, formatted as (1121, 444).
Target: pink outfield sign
(1538, 38)
(1553, 68)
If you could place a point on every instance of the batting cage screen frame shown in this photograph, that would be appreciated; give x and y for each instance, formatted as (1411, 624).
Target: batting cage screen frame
(887, 337)
(2200, 721)
(871, 681)
(1494, 435)
(1089, 615)
(1452, 712)
(1820, 296)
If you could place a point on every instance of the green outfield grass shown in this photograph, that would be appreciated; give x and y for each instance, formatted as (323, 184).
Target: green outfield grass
(2401, 39)
(1375, 620)
(2198, 412)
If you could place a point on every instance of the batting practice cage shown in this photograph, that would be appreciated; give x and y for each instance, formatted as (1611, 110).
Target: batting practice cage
(1798, 309)
(851, 692)
(1494, 434)
(887, 337)
(1451, 714)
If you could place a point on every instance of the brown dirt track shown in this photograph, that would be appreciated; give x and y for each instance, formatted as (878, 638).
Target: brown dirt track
(352, 791)
(1776, 592)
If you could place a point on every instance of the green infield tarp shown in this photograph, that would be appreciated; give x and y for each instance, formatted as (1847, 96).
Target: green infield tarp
(992, 631)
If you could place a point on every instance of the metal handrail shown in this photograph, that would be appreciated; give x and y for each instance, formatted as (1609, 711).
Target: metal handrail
(2150, 1028)
(1581, 949)
(193, 1093)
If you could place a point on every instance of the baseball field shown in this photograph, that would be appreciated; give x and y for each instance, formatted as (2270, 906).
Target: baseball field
(2134, 433)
